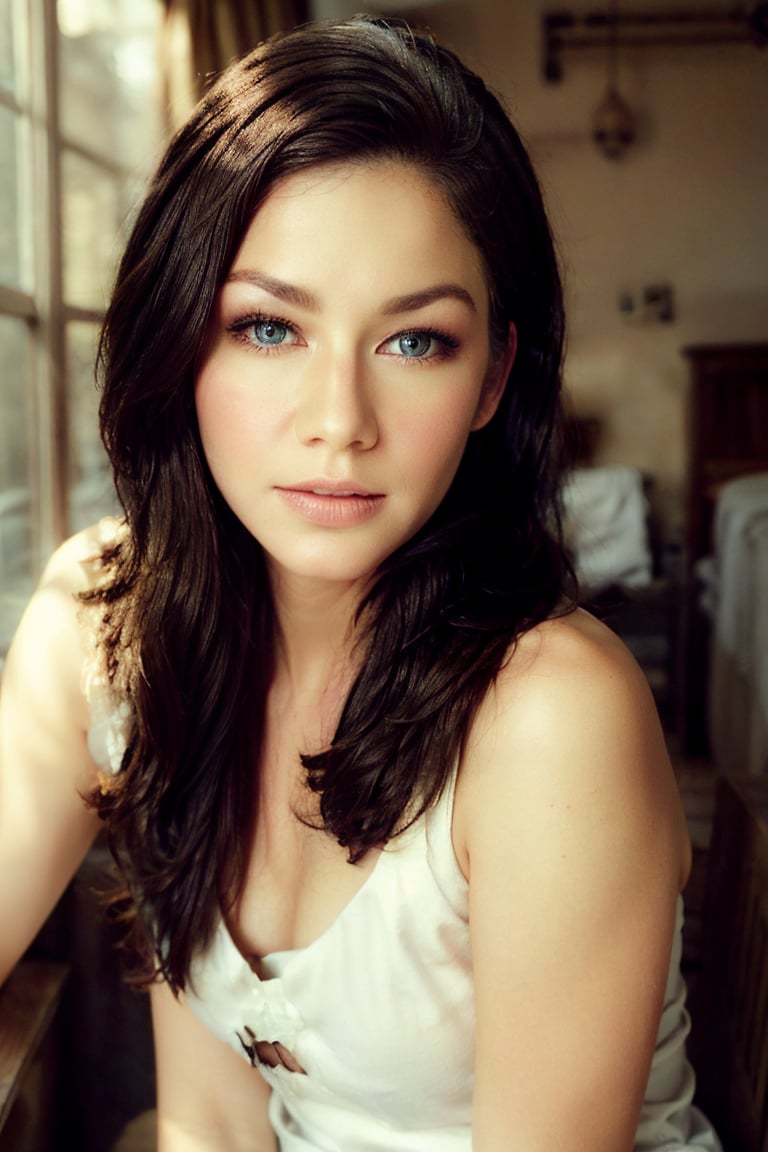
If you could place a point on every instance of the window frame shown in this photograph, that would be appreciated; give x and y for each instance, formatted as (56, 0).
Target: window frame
(39, 302)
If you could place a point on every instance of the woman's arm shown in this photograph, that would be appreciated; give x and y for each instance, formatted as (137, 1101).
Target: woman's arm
(45, 827)
(209, 1099)
(575, 845)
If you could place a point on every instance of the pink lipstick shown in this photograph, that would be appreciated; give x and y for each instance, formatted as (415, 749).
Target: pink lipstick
(331, 504)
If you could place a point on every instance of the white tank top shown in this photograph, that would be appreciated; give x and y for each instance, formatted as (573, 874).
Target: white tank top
(378, 1012)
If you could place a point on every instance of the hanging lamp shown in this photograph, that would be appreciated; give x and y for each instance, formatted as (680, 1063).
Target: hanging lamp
(613, 124)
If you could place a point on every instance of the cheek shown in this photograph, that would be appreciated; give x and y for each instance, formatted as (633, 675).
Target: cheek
(210, 415)
(209, 400)
(218, 426)
(431, 444)
(231, 420)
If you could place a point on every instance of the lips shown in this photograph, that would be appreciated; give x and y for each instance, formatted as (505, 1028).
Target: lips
(330, 488)
(331, 504)
(330, 492)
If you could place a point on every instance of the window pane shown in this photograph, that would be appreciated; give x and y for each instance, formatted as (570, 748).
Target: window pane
(92, 239)
(16, 550)
(91, 492)
(7, 63)
(109, 76)
(10, 257)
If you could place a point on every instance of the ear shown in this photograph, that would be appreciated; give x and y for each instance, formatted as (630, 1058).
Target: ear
(495, 382)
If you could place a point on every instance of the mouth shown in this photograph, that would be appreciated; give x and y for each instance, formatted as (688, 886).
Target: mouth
(342, 492)
(342, 489)
(330, 504)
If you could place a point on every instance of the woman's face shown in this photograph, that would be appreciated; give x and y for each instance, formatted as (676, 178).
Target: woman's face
(345, 365)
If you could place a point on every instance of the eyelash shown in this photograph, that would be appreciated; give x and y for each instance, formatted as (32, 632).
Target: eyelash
(239, 330)
(447, 344)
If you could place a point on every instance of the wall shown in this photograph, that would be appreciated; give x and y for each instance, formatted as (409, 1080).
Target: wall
(688, 206)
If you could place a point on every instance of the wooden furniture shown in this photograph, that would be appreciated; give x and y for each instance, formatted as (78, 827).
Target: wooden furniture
(76, 1058)
(29, 1056)
(727, 437)
(729, 1002)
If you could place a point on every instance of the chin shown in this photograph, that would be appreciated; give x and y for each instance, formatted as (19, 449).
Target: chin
(324, 569)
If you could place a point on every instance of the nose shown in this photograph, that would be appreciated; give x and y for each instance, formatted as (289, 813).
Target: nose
(335, 406)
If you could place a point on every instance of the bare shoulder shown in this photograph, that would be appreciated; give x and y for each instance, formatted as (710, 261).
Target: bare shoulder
(569, 682)
(54, 636)
(75, 566)
(570, 725)
(569, 829)
(569, 654)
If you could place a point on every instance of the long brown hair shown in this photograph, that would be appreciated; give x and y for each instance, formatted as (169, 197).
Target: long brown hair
(189, 617)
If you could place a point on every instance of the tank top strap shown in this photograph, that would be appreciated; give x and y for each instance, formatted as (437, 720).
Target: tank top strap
(110, 714)
(441, 854)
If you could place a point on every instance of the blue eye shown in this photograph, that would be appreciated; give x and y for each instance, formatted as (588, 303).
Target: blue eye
(263, 333)
(415, 344)
(421, 345)
(269, 332)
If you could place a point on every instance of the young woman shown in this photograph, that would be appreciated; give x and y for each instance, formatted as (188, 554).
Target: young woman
(400, 842)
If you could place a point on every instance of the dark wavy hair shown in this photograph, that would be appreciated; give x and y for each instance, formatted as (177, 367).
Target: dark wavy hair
(188, 610)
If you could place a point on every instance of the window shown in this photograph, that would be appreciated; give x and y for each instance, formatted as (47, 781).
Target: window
(80, 127)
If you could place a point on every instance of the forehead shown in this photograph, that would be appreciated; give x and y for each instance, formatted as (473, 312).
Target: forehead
(383, 215)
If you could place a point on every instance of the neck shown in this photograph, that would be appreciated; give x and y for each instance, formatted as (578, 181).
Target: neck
(317, 635)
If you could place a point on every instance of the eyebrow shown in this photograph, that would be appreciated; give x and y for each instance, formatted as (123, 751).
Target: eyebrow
(289, 293)
(415, 300)
(410, 302)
